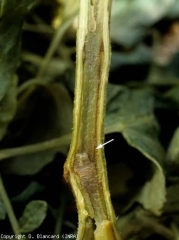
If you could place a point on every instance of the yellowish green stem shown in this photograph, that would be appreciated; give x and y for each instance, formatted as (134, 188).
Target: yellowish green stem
(85, 168)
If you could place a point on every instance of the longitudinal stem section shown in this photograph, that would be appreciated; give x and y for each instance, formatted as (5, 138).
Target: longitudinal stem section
(85, 167)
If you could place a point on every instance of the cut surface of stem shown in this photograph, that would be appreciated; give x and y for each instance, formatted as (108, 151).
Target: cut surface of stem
(85, 168)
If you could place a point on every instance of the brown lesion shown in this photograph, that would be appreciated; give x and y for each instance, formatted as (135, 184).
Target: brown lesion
(86, 172)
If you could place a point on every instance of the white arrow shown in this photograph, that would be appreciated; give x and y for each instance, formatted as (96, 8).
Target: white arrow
(102, 145)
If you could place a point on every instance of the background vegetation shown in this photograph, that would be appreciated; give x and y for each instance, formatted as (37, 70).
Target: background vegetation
(37, 68)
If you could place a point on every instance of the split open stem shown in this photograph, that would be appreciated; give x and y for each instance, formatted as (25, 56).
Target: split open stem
(85, 168)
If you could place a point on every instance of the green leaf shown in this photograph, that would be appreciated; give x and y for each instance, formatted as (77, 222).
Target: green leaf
(2, 211)
(12, 13)
(44, 114)
(28, 192)
(10, 42)
(171, 205)
(8, 107)
(130, 33)
(130, 112)
(172, 157)
(9, 5)
(175, 230)
(33, 216)
(173, 150)
(158, 75)
(173, 96)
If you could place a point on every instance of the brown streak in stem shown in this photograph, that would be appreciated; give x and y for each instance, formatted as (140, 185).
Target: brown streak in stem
(88, 180)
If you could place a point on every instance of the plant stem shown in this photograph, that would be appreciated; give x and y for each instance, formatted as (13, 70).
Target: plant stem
(9, 209)
(55, 143)
(85, 168)
(59, 218)
(55, 44)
